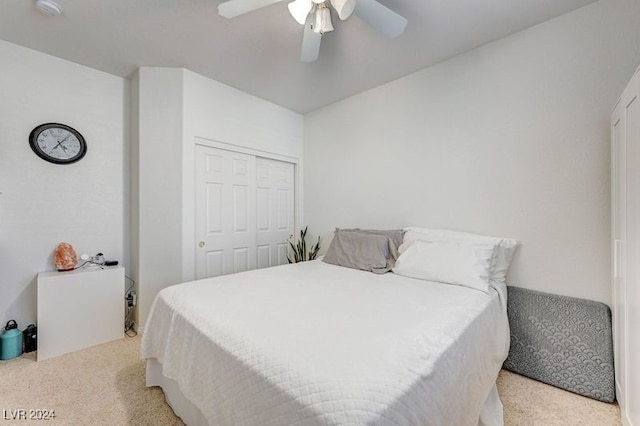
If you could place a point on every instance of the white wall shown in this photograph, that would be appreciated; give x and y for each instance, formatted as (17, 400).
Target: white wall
(177, 106)
(42, 203)
(510, 139)
(156, 181)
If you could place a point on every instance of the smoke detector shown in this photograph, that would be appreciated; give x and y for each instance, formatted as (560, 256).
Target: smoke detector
(48, 7)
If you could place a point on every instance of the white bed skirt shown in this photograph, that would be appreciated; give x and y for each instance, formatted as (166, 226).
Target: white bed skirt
(188, 412)
(491, 415)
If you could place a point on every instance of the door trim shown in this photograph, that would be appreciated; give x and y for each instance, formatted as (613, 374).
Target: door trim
(245, 150)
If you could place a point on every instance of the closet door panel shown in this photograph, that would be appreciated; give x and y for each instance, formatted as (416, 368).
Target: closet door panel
(275, 208)
(225, 212)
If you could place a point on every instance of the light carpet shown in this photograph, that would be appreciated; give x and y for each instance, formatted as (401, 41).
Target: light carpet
(105, 385)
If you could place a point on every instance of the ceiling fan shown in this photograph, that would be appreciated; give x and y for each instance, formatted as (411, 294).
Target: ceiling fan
(315, 15)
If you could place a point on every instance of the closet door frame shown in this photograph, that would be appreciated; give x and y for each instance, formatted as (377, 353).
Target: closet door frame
(189, 235)
(618, 251)
(625, 235)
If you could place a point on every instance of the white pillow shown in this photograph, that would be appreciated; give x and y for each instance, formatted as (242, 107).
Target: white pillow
(504, 253)
(462, 262)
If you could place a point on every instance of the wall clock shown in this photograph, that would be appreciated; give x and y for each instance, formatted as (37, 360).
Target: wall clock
(57, 143)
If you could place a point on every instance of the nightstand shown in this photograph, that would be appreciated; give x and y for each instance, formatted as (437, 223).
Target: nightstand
(78, 309)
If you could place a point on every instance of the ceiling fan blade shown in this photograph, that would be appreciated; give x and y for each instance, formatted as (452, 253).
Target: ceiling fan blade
(380, 17)
(310, 42)
(233, 8)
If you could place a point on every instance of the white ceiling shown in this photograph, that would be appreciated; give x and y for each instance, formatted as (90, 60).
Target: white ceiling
(259, 52)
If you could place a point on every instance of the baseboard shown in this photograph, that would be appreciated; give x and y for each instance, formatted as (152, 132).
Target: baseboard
(619, 394)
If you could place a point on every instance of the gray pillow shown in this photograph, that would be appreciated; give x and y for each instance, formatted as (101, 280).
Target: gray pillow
(396, 236)
(365, 250)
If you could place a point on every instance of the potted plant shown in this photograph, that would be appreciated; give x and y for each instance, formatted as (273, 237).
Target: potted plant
(299, 248)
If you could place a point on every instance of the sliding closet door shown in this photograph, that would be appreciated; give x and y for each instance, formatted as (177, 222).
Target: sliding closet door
(244, 211)
(225, 212)
(275, 209)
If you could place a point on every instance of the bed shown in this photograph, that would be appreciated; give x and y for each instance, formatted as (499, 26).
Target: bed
(320, 344)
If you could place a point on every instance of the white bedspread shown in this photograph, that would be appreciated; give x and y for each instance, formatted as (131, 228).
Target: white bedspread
(314, 343)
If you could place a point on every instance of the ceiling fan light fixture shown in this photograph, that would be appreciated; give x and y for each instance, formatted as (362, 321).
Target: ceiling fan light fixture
(300, 9)
(323, 20)
(48, 7)
(344, 7)
(315, 17)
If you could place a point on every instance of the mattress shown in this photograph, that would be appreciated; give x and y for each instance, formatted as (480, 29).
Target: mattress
(563, 341)
(318, 344)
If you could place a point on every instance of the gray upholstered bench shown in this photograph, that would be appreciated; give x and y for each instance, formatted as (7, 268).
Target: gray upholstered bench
(563, 341)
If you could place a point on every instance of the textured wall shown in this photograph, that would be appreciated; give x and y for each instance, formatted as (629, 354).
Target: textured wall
(42, 203)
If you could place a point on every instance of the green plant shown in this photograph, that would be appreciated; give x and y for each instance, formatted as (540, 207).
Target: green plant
(299, 248)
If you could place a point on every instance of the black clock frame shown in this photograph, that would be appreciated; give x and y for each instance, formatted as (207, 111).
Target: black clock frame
(33, 139)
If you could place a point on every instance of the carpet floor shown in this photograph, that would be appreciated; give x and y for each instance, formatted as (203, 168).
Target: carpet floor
(105, 385)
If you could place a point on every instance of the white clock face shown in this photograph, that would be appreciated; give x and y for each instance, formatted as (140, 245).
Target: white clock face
(59, 143)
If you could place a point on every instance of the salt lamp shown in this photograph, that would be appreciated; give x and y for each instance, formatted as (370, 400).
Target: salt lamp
(65, 258)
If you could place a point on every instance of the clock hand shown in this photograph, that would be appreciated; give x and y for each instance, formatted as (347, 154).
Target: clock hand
(59, 143)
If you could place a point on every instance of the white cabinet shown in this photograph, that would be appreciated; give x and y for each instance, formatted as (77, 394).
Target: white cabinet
(625, 234)
(78, 309)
